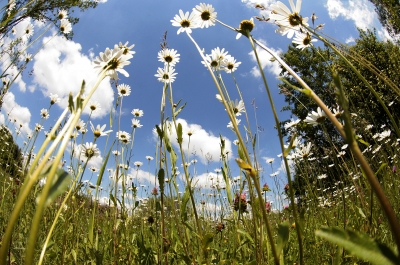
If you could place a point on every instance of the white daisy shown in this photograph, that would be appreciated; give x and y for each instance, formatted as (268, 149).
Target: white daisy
(136, 123)
(303, 40)
(29, 30)
(137, 112)
(54, 99)
(229, 64)
(94, 105)
(185, 21)
(44, 113)
(114, 61)
(169, 56)
(124, 90)
(62, 14)
(123, 137)
(166, 75)
(99, 131)
(65, 26)
(206, 14)
(89, 150)
(316, 118)
(125, 48)
(288, 21)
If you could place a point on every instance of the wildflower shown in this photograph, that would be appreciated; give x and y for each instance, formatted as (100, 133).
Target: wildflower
(93, 169)
(274, 174)
(230, 125)
(303, 40)
(154, 191)
(341, 153)
(113, 61)
(316, 118)
(229, 64)
(384, 135)
(240, 202)
(99, 131)
(54, 99)
(38, 127)
(216, 58)
(14, 30)
(44, 113)
(268, 206)
(124, 90)
(149, 158)
(137, 112)
(270, 160)
(125, 48)
(29, 30)
(89, 150)
(93, 105)
(116, 152)
(266, 187)
(185, 21)
(80, 125)
(206, 14)
(344, 146)
(238, 107)
(123, 137)
(236, 142)
(169, 56)
(323, 176)
(28, 57)
(166, 74)
(288, 22)
(136, 123)
(62, 14)
(5, 81)
(303, 150)
(138, 164)
(245, 27)
(65, 26)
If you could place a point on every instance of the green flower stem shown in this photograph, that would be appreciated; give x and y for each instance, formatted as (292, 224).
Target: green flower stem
(294, 208)
(243, 146)
(41, 205)
(359, 75)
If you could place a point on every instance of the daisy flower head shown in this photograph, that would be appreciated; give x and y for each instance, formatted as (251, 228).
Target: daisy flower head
(62, 14)
(166, 74)
(54, 99)
(125, 48)
(94, 105)
(149, 158)
(245, 27)
(44, 113)
(137, 112)
(5, 81)
(229, 64)
(80, 125)
(65, 26)
(206, 15)
(28, 57)
(238, 107)
(216, 58)
(303, 40)
(138, 164)
(230, 125)
(136, 123)
(124, 90)
(99, 131)
(29, 30)
(316, 118)
(169, 56)
(89, 150)
(288, 21)
(185, 21)
(112, 61)
(123, 137)
(14, 30)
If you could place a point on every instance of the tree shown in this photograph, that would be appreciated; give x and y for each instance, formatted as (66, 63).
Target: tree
(376, 60)
(389, 15)
(44, 11)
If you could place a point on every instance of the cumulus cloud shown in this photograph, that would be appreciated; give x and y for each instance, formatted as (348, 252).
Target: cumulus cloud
(265, 3)
(60, 68)
(360, 11)
(22, 115)
(202, 143)
(209, 180)
(265, 59)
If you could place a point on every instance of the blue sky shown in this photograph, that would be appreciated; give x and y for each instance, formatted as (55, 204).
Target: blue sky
(61, 64)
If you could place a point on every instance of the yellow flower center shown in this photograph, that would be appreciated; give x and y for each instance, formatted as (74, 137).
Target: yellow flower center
(205, 15)
(295, 19)
(185, 23)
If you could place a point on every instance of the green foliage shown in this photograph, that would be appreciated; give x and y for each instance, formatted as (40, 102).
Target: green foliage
(10, 156)
(359, 244)
(389, 15)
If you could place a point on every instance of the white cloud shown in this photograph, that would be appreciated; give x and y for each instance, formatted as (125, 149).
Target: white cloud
(360, 11)
(202, 143)
(143, 177)
(265, 59)
(60, 68)
(265, 3)
(22, 115)
(208, 180)
(349, 40)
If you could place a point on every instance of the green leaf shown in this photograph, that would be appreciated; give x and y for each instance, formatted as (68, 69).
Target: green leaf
(179, 110)
(380, 168)
(283, 236)
(60, 184)
(185, 200)
(207, 240)
(161, 176)
(360, 211)
(179, 134)
(359, 244)
(247, 235)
